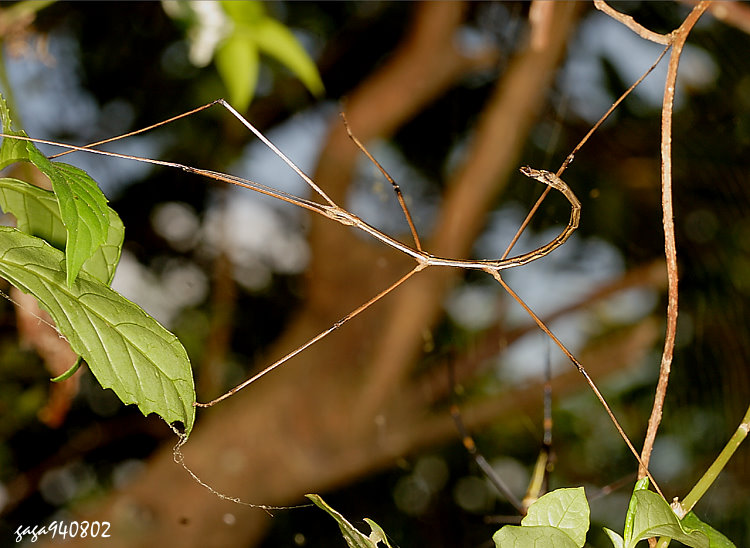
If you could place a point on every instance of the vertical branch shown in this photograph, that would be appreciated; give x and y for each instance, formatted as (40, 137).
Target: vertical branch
(670, 249)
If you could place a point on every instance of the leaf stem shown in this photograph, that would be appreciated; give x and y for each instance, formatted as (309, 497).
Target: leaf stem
(718, 465)
(714, 470)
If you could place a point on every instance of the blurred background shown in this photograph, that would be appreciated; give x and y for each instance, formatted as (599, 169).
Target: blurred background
(452, 99)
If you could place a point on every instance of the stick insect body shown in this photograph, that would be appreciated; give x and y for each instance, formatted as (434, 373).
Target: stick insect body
(336, 213)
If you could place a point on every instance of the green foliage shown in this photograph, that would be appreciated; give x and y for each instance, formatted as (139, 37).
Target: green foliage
(37, 213)
(715, 538)
(247, 32)
(126, 349)
(649, 515)
(83, 209)
(354, 538)
(559, 518)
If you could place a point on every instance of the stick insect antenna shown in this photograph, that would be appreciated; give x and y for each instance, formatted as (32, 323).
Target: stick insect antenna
(142, 130)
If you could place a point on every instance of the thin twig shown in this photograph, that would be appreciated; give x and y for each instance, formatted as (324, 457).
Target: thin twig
(631, 23)
(670, 247)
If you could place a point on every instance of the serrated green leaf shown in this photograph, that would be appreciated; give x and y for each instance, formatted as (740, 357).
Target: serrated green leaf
(126, 349)
(38, 213)
(353, 537)
(237, 62)
(691, 522)
(617, 540)
(655, 518)
(11, 150)
(536, 536)
(83, 209)
(279, 42)
(564, 509)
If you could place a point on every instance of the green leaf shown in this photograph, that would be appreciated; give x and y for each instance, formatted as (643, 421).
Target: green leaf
(237, 62)
(38, 213)
(564, 509)
(126, 349)
(12, 150)
(691, 522)
(616, 539)
(278, 41)
(640, 485)
(538, 536)
(353, 537)
(83, 209)
(655, 518)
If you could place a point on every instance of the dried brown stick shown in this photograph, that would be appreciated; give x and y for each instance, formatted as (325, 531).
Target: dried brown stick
(631, 23)
(670, 247)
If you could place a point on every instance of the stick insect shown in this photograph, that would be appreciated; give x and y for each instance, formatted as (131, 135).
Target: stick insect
(335, 212)
(326, 207)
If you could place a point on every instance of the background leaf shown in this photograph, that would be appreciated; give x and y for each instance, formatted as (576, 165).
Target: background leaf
(279, 42)
(237, 62)
(126, 349)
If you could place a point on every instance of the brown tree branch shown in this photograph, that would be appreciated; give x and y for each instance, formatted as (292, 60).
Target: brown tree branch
(632, 24)
(670, 247)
